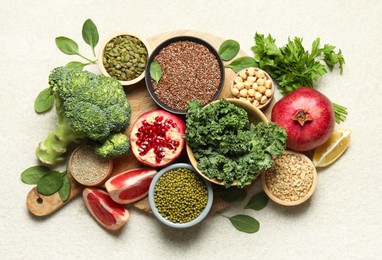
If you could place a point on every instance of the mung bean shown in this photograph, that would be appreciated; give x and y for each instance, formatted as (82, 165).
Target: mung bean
(180, 196)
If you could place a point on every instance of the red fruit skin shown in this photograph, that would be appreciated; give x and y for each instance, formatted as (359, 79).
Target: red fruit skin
(313, 133)
(130, 186)
(174, 133)
(105, 211)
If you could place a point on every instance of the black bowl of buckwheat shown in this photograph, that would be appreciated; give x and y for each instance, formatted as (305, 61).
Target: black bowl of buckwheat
(181, 69)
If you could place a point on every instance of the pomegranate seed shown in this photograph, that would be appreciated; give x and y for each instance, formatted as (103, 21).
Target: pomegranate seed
(141, 150)
(162, 154)
(173, 125)
(176, 143)
(158, 159)
(170, 121)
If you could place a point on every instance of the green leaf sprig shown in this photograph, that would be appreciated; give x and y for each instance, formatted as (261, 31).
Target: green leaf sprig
(48, 182)
(242, 222)
(70, 47)
(229, 49)
(155, 71)
(242, 63)
(245, 223)
(45, 100)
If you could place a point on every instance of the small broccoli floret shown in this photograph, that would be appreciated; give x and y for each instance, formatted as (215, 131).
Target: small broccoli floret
(88, 106)
(116, 145)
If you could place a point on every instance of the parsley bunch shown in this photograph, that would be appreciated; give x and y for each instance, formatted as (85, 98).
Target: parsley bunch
(292, 66)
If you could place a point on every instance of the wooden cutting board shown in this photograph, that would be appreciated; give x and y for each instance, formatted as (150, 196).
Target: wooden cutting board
(140, 102)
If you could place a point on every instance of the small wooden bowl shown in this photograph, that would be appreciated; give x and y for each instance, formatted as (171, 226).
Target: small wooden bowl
(102, 51)
(300, 200)
(82, 164)
(252, 99)
(255, 116)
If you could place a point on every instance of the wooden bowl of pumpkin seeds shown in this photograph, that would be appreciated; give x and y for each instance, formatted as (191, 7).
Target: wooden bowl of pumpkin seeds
(124, 56)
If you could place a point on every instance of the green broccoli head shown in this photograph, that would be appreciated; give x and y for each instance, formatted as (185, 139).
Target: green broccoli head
(116, 145)
(88, 106)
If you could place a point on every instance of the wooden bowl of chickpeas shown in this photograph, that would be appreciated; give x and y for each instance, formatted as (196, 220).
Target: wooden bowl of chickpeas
(254, 86)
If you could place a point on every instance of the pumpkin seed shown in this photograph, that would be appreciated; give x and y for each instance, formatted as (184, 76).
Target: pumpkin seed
(125, 57)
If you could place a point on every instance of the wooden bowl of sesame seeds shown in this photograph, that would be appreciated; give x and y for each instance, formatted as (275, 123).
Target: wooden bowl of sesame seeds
(291, 180)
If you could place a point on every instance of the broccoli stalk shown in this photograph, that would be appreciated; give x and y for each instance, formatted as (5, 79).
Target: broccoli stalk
(53, 148)
(89, 107)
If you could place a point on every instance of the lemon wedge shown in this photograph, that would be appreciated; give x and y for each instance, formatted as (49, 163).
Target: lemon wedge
(332, 149)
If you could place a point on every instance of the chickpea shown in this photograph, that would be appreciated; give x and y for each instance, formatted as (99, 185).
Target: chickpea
(258, 96)
(247, 84)
(256, 103)
(243, 92)
(243, 75)
(268, 83)
(260, 82)
(240, 85)
(263, 100)
(242, 98)
(251, 92)
(268, 93)
(260, 74)
(251, 71)
(251, 99)
(255, 86)
(251, 79)
(238, 79)
(262, 89)
(235, 91)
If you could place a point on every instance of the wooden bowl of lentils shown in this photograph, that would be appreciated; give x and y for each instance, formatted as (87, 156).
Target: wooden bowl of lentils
(190, 68)
(124, 56)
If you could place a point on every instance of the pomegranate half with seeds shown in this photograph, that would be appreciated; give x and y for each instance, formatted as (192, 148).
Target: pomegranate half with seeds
(156, 138)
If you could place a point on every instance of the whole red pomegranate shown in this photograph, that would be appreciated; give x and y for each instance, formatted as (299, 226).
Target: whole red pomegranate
(157, 138)
(307, 116)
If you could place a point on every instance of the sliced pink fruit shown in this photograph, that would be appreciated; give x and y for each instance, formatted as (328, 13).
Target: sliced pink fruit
(130, 186)
(106, 212)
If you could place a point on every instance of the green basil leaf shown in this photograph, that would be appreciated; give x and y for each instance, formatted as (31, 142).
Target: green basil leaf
(232, 194)
(245, 223)
(33, 174)
(258, 201)
(242, 63)
(229, 49)
(44, 101)
(155, 71)
(65, 189)
(66, 45)
(75, 65)
(90, 34)
(50, 183)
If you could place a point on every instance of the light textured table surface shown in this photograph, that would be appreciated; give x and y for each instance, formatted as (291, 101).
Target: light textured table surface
(341, 221)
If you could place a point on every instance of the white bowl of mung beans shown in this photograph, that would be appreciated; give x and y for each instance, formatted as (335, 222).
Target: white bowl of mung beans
(124, 56)
(179, 197)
